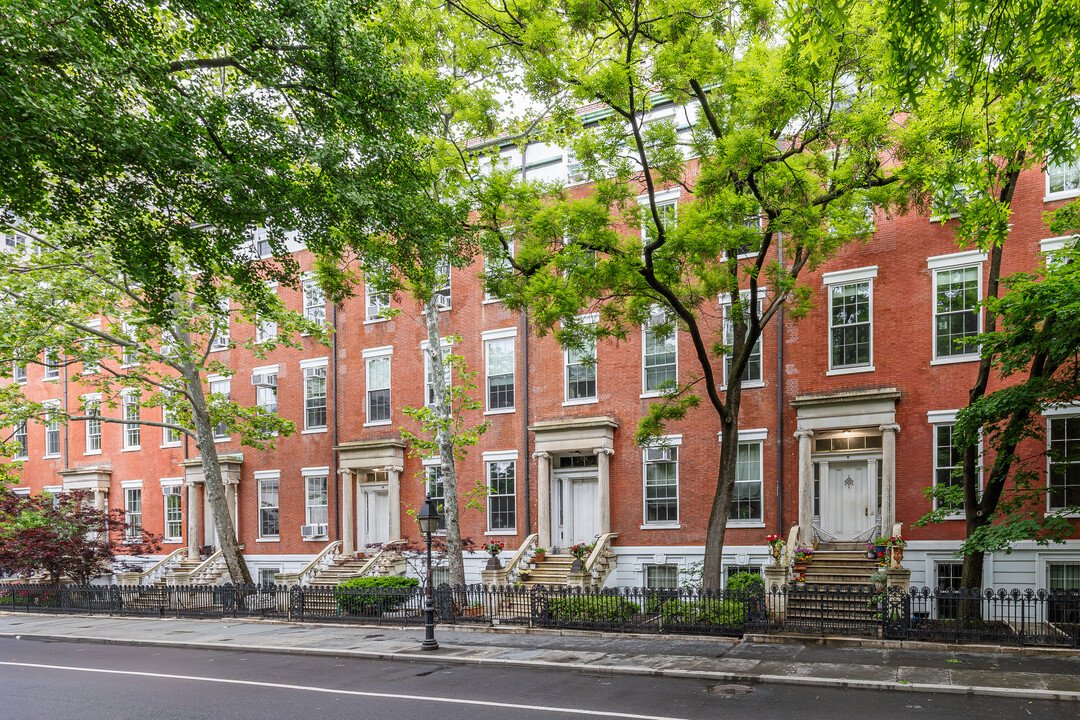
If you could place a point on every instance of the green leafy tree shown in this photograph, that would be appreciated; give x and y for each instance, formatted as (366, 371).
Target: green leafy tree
(995, 86)
(79, 311)
(782, 136)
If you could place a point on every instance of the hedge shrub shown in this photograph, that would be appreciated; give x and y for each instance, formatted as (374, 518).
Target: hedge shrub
(595, 608)
(373, 596)
(704, 612)
(747, 582)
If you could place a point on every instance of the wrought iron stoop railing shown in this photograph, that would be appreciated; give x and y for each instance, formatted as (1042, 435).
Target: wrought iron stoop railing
(1007, 617)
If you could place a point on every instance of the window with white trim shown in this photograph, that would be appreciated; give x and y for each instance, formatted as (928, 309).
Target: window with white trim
(947, 463)
(850, 325)
(221, 327)
(752, 371)
(314, 301)
(316, 500)
(746, 496)
(661, 485)
(170, 437)
(268, 575)
(315, 397)
(52, 432)
(222, 389)
(442, 290)
(92, 409)
(499, 359)
(501, 499)
(581, 373)
(90, 363)
(265, 330)
(129, 354)
(21, 438)
(132, 429)
(1063, 477)
(375, 303)
(733, 569)
(669, 218)
(1063, 179)
(660, 356)
(661, 577)
(497, 264)
(1063, 576)
(51, 361)
(133, 513)
(956, 313)
(268, 508)
(174, 513)
(436, 492)
(429, 378)
(378, 389)
(18, 372)
(948, 577)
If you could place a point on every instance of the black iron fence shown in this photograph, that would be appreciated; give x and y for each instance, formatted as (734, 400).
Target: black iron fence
(1002, 617)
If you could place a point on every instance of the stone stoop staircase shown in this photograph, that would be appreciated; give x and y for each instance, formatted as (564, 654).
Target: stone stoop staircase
(184, 566)
(553, 570)
(836, 566)
(342, 569)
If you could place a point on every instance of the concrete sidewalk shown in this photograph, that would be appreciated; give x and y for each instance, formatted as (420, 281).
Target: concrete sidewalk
(1030, 675)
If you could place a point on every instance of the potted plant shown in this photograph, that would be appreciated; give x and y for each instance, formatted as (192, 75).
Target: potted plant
(802, 556)
(580, 552)
(897, 545)
(493, 548)
(474, 610)
(881, 542)
(879, 578)
(539, 553)
(776, 547)
(524, 574)
(871, 553)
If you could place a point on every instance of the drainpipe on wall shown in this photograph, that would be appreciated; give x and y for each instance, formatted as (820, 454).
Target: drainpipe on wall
(780, 401)
(67, 411)
(334, 441)
(525, 420)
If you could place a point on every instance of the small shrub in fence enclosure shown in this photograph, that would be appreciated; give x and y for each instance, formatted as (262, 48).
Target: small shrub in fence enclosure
(596, 608)
(373, 595)
(746, 582)
(704, 612)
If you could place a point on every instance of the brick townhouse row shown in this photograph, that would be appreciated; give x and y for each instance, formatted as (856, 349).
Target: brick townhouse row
(846, 418)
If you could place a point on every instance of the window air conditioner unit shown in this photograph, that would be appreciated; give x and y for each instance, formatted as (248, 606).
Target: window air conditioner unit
(264, 380)
(665, 454)
(313, 531)
(171, 490)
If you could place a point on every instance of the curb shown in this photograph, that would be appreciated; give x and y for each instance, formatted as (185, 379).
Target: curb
(436, 656)
(879, 644)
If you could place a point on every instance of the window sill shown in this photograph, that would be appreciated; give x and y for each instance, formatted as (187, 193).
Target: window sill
(850, 370)
(172, 541)
(501, 411)
(581, 401)
(52, 457)
(268, 539)
(501, 533)
(92, 452)
(745, 524)
(379, 423)
(222, 439)
(954, 360)
(658, 526)
(1068, 515)
(321, 538)
(491, 301)
(375, 321)
(747, 385)
(313, 431)
(1063, 195)
(651, 394)
(169, 445)
(127, 449)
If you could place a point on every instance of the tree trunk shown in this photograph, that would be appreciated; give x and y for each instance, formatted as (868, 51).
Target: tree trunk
(445, 441)
(712, 572)
(212, 482)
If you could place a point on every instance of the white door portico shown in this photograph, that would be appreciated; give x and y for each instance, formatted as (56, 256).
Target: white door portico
(847, 447)
(194, 479)
(371, 492)
(581, 496)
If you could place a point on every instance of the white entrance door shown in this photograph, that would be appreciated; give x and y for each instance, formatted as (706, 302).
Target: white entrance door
(209, 526)
(573, 517)
(848, 502)
(373, 513)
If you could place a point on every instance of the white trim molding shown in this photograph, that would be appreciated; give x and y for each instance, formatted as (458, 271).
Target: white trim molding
(968, 257)
(845, 277)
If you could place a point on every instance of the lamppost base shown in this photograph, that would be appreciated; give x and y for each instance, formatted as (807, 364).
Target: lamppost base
(429, 645)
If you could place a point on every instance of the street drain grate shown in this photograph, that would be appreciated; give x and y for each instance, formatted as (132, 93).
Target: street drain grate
(729, 690)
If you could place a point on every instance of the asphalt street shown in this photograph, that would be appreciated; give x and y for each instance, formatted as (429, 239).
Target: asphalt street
(68, 680)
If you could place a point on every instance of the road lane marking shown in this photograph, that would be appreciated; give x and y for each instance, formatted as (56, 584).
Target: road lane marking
(360, 693)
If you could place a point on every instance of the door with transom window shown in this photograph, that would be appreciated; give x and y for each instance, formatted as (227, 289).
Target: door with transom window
(848, 501)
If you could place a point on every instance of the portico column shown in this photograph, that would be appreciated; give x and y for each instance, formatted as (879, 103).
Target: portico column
(393, 499)
(193, 521)
(603, 488)
(230, 503)
(543, 498)
(806, 487)
(888, 477)
(348, 512)
(99, 499)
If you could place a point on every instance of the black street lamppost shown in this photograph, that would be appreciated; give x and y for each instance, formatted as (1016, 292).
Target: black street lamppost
(428, 520)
